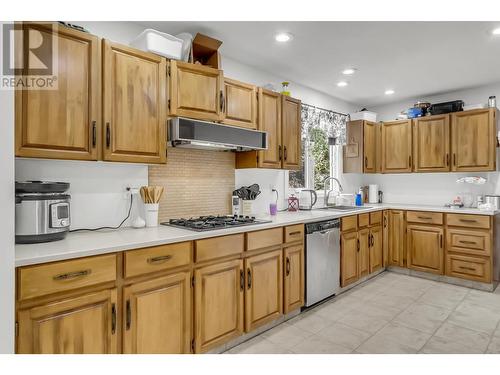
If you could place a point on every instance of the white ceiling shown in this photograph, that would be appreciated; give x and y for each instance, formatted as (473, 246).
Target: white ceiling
(413, 58)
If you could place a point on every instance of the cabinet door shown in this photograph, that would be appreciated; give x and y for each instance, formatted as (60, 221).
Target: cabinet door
(157, 315)
(134, 105)
(396, 147)
(218, 304)
(396, 238)
(385, 239)
(425, 248)
(80, 325)
(349, 258)
(196, 91)
(431, 143)
(376, 249)
(62, 123)
(240, 104)
(270, 122)
(293, 288)
(364, 252)
(264, 287)
(369, 147)
(473, 140)
(291, 132)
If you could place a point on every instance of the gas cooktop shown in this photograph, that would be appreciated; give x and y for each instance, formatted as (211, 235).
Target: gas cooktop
(205, 223)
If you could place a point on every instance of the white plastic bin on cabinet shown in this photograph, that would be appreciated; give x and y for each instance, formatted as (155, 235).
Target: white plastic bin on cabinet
(160, 43)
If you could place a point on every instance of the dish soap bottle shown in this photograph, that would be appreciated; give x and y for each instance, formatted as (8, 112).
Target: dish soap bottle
(359, 197)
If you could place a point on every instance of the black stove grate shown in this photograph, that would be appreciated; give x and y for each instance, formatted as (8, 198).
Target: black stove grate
(205, 223)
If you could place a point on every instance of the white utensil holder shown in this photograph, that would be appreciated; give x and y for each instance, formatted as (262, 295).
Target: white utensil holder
(151, 211)
(247, 207)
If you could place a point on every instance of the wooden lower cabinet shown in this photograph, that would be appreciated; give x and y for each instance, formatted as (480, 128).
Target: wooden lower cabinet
(80, 325)
(218, 304)
(396, 238)
(363, 253)
(157, 315)
(469, 267)
(425, 246)
(348, 258)
(264, 289)
(376, 249)
(293, 285)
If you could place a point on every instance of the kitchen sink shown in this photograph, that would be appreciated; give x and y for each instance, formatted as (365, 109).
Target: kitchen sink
(344, 208)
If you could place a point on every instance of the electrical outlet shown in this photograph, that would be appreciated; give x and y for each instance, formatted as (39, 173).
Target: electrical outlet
(130, 191)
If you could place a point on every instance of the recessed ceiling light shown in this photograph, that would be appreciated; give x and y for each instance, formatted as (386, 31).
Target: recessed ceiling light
(342, 84)
(496, 31)
(389, 92)
(349, 71)
(283, 37)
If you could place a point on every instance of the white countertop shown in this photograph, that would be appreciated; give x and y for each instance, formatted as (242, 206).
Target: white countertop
(82, 244)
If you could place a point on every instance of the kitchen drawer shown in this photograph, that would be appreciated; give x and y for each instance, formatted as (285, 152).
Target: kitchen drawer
(468, 221)
(472, 242)
(218, 247)
(376, 218)
(424, 217)
(264, 238)
(349, 223)
(294, 233)
(49, 278)
(466, 267)
(363, 220)
(157, 258)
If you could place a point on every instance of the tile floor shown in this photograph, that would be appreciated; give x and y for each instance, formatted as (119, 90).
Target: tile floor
(388, 314)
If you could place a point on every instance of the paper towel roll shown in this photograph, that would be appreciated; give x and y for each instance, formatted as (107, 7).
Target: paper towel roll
(372, 193)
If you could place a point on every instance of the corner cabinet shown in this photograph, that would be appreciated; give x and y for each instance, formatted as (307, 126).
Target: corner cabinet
(431, 143)
(473, 140)
(240, 108)
(134, 105)
(397, 146)
(195, 91)
(62, 123)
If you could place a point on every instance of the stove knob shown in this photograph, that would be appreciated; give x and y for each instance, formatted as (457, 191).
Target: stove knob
(247, 217)
(241, 216)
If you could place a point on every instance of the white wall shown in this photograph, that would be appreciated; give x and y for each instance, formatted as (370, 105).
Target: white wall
(7, 220)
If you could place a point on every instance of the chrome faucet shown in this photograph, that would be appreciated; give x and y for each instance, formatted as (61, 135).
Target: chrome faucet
(327, 193)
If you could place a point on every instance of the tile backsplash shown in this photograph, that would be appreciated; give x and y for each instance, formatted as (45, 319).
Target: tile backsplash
(197, 182)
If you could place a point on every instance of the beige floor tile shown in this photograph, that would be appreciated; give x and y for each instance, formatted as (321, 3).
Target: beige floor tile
(319, 345)
(383, 345)
(363, 322)
(406, 336)
(444, 296)
(344, 335)
(259, 345)
(391, 300)
(464, 336)
(481, 298)
(286, 336)
(477, 317)
(310, 322)
(425, 318)
(438, 345)
(494, 346)
(334, 311)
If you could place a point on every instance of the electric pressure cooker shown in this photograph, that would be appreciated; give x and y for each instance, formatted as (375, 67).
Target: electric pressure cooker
(42, 211)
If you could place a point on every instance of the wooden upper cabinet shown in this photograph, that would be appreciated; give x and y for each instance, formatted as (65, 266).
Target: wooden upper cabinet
(82, 325)
(396, 146)
(134, 105)
(61, 123)
(218, 304)
(473, 140)
(157, 316)
(270, 122)
(196, 91)
(240, 108)
(349, 258)
(293, 287)
(291, 132)
(264, 289)
(431, 143)
(363, 146)
(426, 248)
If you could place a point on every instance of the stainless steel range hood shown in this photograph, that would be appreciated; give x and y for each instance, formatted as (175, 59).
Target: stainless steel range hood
(184, 132)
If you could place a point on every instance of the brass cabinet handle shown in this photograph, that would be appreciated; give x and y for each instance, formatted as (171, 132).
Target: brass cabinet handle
(287, 266)
(279, 152)
(249, 278)
(242, 280)
(128, 318)
(72, 275)
(358, 246)
(159, 259)
(409, 161)
(373, 240)
(447, 159)
(366, 162)
(284, 152)
(468, 220)
(222, 103)
(425, 217)
(385, 221)
(94, 133)
(441, 240)
(467, 242)
(108, 135)
(113, 319)
(454, 159)
(294, 233)
(467, 268)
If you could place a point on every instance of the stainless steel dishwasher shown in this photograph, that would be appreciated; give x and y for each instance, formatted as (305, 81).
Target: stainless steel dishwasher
(322, 260)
